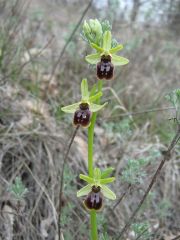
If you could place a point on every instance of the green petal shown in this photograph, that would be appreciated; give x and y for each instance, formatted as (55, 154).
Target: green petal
(118, 61)
(93, 58)
(70, 108)
(107, 180)
(95, 107)
(116, 49)
(108, 193)
(99, 49)
(93, 90)
(95, 97)
(107, 41)
(86, 178)
(84, 191)
(84, 90)
(107, 172)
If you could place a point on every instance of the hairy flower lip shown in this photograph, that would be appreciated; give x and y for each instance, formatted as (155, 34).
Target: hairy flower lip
(104, 68)
(82, 116)
(94, 199)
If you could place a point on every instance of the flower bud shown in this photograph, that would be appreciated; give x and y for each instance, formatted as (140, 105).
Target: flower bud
(82, 116)
(105, 69)
(96, 29)
(86, 28)
(94, 199)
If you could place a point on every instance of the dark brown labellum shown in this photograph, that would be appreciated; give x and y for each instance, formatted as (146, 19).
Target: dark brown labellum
(82, 116)
(105, 69)
(94, 199)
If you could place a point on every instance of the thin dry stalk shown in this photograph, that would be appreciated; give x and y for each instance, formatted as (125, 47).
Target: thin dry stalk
(62, 181)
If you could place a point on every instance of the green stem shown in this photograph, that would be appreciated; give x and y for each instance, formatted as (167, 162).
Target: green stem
(94, 234)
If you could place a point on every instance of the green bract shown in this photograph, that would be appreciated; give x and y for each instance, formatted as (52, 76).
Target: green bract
(98, 179)
(106, 50)
(85, 98)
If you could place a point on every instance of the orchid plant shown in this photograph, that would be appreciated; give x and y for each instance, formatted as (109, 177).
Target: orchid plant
(98, 35)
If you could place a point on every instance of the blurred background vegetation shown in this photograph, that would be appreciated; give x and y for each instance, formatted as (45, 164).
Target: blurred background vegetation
(36, 80)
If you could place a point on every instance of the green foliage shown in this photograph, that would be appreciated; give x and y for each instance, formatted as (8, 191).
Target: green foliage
(174, 99)
(18, 189)
(141, 230)
(105, 236)
(134, 171)
(119, 130)
(162, 209)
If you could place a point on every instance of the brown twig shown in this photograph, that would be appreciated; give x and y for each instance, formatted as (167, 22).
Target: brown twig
(69, 39)
(62, 180)
(165, 158)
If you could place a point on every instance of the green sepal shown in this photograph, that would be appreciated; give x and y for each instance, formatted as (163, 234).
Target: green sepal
(93, 58)
(95, 107)
(84, 90)
(95, 97)
(107, 172)
(118, 61)
(86, 178)
(97, 174)
(108, 193)
(107, 180)
(107, 41)
(70, 108)
(84, 191)
(116, 49)
(95, 46)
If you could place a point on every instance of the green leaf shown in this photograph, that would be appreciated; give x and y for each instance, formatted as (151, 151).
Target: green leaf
(84, 191)
(95, 46)
(107, 192)
(97, 173)
(118, 61)
(107, 180)
(107, 172)
(86, 178)
(107, 41)
(84, 90)
(93, 58)
(116, 49)
(95, 97)
(70, 108)
(95, 107)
